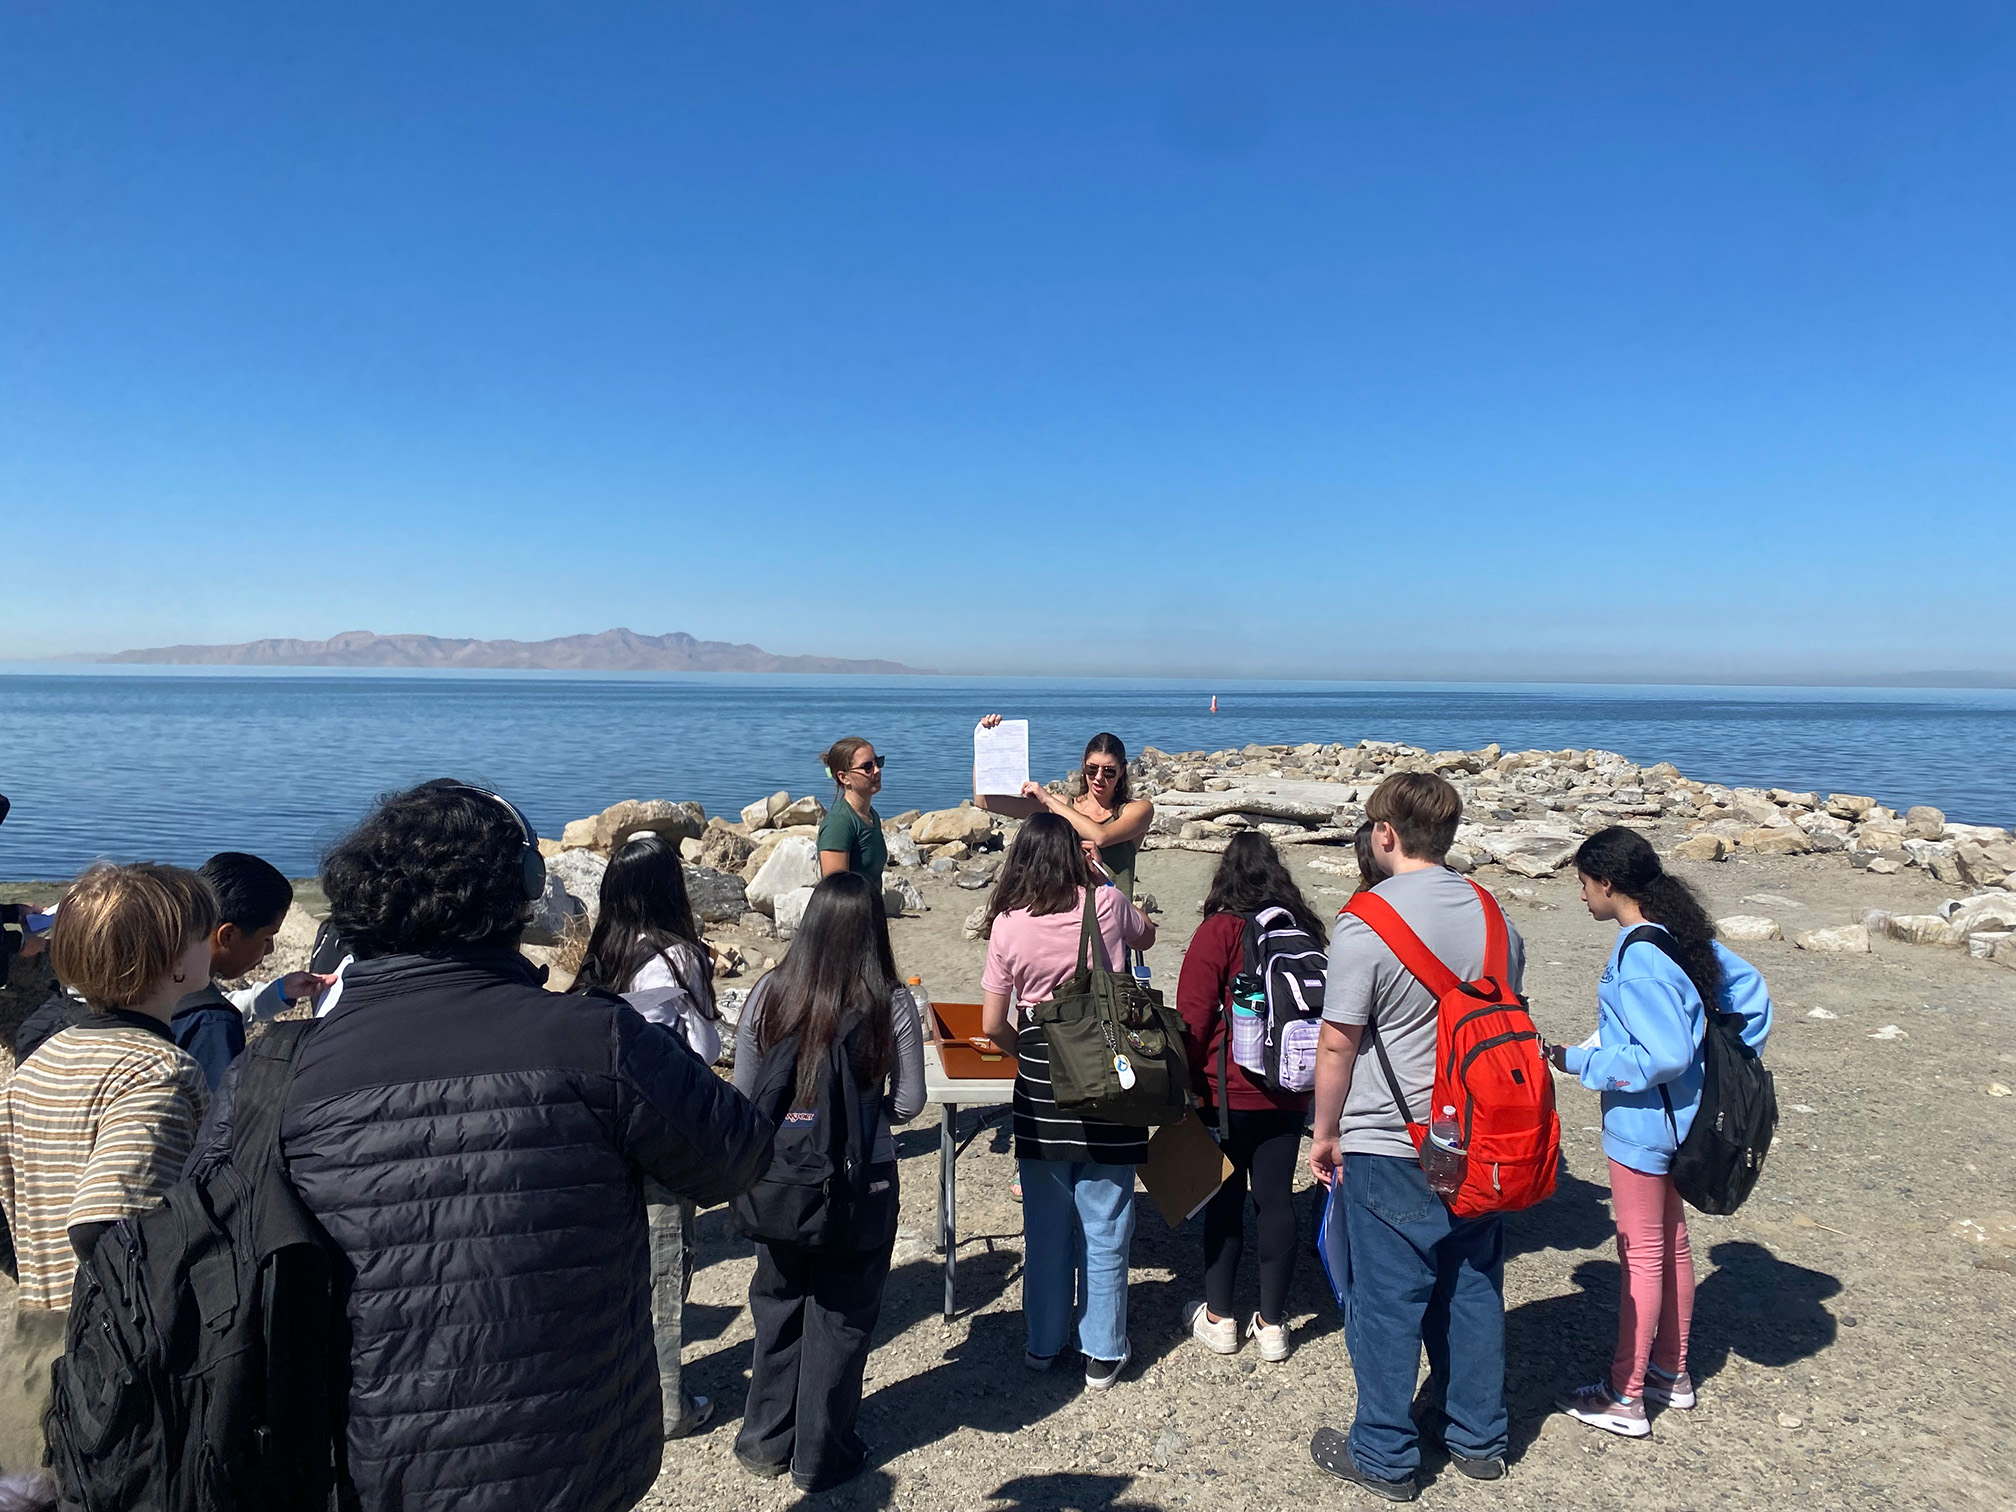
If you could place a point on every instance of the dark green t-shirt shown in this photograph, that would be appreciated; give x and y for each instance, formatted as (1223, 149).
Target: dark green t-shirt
(844, 830)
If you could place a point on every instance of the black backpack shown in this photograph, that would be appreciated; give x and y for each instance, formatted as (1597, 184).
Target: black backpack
(820, 1190)
(203, 1368)
(1723, 1154)
(1283, 970)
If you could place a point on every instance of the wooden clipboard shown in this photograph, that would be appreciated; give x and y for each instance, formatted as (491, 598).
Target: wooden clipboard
(1185, 1168)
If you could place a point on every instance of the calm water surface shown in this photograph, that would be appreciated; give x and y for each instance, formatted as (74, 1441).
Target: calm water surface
(174, 765)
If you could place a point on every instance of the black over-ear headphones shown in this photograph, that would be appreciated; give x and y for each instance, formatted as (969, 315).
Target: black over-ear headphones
(531, 865)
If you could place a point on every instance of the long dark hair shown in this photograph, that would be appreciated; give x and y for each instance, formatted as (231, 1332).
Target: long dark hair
(1625, 859)
(1105, 744)
(839, 964)
(1045, 868)
(1250, 876)
(645, 912)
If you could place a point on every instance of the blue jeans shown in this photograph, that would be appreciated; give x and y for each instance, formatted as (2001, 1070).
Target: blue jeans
(1416, 1276)
(1077, 1224)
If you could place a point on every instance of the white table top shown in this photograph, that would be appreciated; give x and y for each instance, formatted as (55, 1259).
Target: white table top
(973, 1093)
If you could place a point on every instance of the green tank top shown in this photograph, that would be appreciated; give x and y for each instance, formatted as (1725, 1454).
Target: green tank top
(1119, 860)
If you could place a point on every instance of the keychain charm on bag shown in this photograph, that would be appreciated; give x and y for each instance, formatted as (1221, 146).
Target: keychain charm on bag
(1124, 1071)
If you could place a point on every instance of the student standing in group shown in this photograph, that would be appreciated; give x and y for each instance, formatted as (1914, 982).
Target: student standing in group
(475, 1148)
(1106, 816)
(1647, 1063)
(1417, 1275)
(96, 1123)
(815, 1308)
(1264, 1126)
(646, 946)
(252, 902)
(850, 836)
(1077, 1173)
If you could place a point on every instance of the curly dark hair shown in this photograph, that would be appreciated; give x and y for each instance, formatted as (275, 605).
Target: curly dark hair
(431, 869)
(1626, 860)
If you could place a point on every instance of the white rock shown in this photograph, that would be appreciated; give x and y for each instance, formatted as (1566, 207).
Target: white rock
(1888, 1032)
(580, 872)
(902, 850)
(759, 814)
(1987, 911)
(1983, 944)
(943, 826)
(792, 865)
(1744, 929)
(804, 811)
(1821, 1013)
(900, 896)
(790, 910)
(551, 913)
(1921, 929)
(1848, 939)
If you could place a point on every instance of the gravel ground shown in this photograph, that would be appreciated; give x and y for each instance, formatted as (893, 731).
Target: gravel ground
(1850, 1334)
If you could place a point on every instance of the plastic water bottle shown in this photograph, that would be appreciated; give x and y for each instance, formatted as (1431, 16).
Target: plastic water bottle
(1249, 1022)
(923, 1001)
(1444, 1157)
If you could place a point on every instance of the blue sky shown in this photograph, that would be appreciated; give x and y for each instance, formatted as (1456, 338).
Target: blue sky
(1332, 340)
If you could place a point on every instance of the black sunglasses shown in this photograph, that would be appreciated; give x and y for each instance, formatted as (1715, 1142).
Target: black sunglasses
(875, 764)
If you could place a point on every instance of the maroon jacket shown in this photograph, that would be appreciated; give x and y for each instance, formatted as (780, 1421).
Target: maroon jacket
(1203, 991)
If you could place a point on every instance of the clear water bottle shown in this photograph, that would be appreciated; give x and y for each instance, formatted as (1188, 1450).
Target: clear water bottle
(923, 1001)
(1249, 1022)
(1444, 1157)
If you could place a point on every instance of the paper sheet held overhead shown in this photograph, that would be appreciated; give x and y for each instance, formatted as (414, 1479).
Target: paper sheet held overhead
(1001, 757)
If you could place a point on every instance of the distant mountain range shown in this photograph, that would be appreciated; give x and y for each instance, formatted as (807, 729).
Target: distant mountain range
(611, 651)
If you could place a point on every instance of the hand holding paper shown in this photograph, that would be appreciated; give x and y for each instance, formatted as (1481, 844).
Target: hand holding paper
(1001, 757)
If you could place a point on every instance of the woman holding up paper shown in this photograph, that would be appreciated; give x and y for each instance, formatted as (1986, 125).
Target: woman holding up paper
(1104, 815)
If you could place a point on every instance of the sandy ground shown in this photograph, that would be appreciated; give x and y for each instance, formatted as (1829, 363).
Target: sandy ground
(1852, 1348)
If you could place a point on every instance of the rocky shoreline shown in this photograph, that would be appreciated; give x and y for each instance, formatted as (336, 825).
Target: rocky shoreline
(1525, 812)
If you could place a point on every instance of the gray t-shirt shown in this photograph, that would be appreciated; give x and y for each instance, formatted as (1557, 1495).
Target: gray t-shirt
(1367, 984)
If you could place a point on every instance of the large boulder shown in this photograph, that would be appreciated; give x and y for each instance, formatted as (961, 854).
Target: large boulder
(1530, 853)
(793, 864)
(723, 849)
(1748, 929)
(943, 826)
(1924, 822)
(1921, 929)
(637, 816)
(1777, 840)
(1849, 805)
(757, 815)
(579, 833)
(1984, 864)
(550, 914)
(1939, 857)
(902, 849)
(767, 842)
(1848, 939)
(900, 896)
(1989, 911)
(1702, 847)
(580, 872)
(717, 897)
(790, 907)
(804, 811)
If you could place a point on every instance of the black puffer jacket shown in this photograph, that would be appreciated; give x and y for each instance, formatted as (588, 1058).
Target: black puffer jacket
(476, 1148)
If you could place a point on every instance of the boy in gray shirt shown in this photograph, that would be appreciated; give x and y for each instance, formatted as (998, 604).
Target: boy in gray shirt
(1415, 1275)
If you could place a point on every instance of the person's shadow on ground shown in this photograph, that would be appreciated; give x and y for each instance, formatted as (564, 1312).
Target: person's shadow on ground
(1752, 1304)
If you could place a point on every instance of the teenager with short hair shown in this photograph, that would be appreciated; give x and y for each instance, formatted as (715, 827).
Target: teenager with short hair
(647, 947)
(1651, 1014)
(815, 1308)
(252, 902)
(1077, 1173)
(1264, 1125)
(850, 836)
(96, 1123)
(1417, 1276)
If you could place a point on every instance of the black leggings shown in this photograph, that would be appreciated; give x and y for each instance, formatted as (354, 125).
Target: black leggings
(1265, 1143)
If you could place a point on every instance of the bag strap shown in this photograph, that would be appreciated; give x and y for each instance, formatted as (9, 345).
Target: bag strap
(1666, 945)
(262, 1092)
(1224, 1067)
(1497, 941)
(1392, 1081)
(1379, 916)
(1088, 933)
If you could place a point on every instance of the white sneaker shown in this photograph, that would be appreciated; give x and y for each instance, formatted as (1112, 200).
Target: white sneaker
(1273, 1337)
(1220, 1337)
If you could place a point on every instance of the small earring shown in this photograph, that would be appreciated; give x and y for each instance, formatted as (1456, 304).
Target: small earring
(179, 977)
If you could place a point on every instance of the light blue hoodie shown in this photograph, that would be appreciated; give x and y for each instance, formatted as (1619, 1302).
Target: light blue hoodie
(1649, 1023)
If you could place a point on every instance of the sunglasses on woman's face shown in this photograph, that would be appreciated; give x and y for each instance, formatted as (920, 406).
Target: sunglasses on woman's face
(873, 764)
(1102, 773)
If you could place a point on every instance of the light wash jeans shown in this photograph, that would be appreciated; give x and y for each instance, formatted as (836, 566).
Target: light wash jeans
(1077, 1225)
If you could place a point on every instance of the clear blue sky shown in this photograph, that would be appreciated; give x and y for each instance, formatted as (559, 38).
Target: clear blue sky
(1330, 339)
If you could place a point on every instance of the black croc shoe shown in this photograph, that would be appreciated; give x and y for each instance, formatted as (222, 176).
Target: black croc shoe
(1332, 1451)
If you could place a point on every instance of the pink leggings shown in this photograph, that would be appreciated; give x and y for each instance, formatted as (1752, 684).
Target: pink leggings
(1658, 1300)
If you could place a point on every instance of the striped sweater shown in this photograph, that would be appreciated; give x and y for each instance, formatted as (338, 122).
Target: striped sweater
(95, 1125)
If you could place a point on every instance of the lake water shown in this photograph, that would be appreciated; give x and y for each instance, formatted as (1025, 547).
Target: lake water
(172, 765)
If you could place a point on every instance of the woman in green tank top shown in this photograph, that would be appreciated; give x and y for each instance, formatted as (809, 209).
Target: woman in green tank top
(1108, 819)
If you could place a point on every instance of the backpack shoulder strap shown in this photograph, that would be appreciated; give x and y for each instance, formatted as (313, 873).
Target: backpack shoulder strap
(1091, 944)
(262, 1090)
(1497, 939)
(1376, 914)
(1663, 942)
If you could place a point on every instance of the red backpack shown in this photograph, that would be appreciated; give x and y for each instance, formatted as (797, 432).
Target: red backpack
(1488, 1066)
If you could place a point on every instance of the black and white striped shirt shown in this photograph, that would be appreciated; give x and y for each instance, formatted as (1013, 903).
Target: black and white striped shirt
(1045, 1132)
